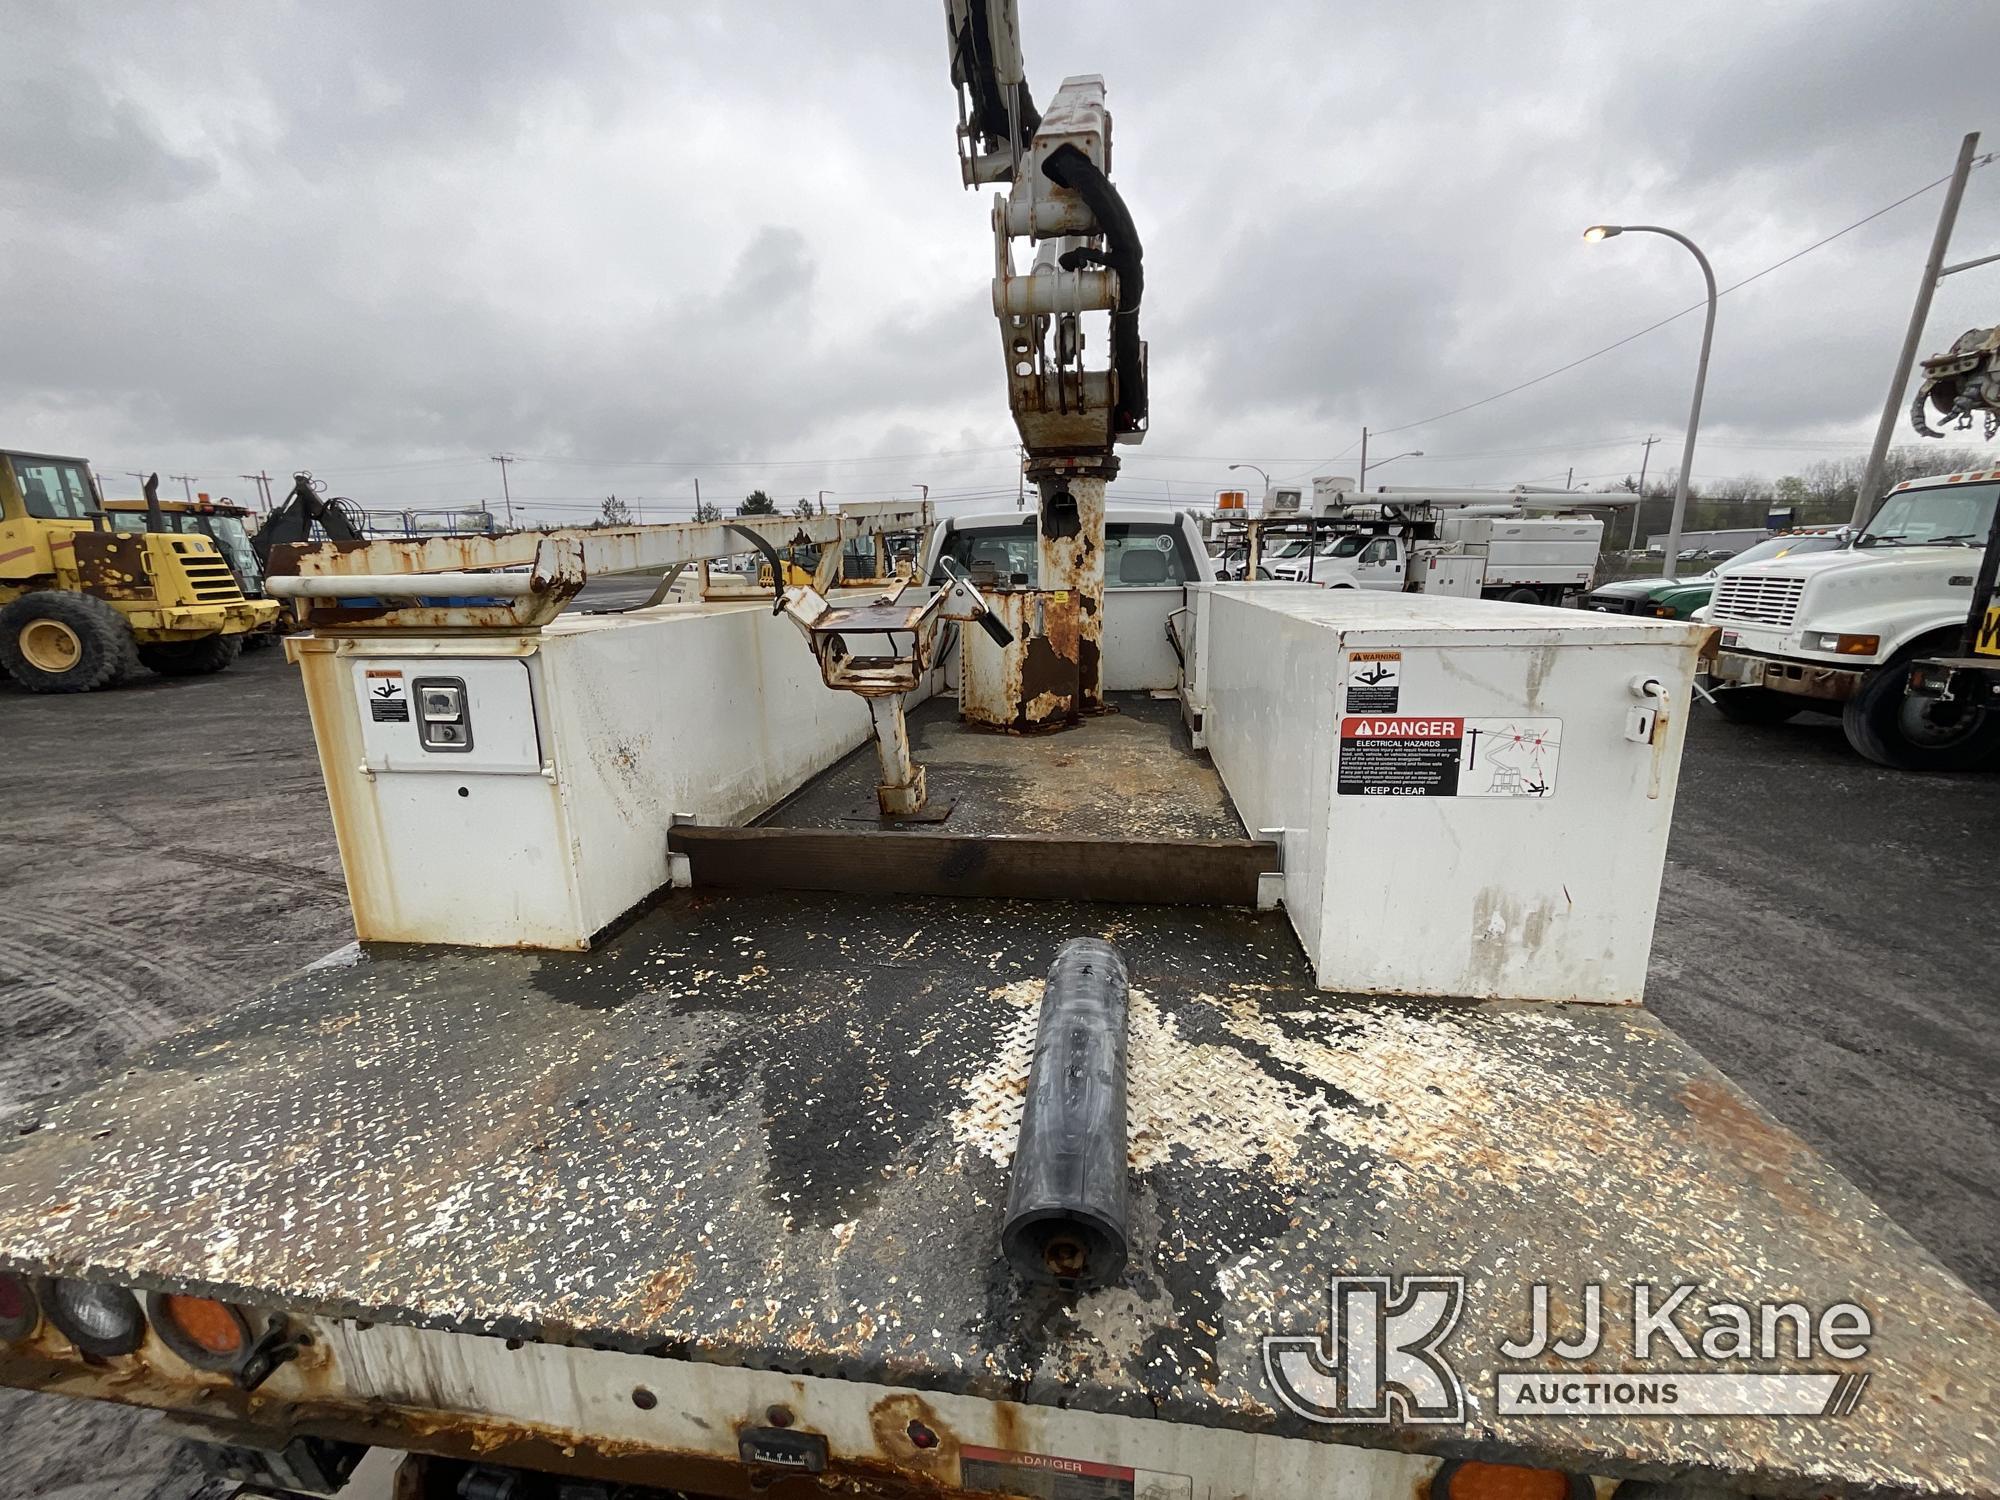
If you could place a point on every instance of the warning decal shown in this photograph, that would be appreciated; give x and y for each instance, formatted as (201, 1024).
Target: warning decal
(1400, 757)
(1383, 756)
(1510, 757)
(387, 701)
(1045, 1477)
(1374, 681)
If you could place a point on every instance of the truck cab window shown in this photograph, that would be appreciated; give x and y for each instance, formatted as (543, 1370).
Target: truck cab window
(53, 492)
(1136, 554)
(1381, 550)
(1949, 513)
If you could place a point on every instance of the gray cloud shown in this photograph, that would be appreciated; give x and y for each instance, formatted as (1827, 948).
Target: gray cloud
(365, 236)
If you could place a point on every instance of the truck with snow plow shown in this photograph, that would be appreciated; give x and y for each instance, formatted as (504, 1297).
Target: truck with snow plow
(667, 1128)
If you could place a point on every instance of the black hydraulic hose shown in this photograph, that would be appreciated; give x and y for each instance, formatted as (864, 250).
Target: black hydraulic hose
(989, 95)
(1066, 1210)
(770, 556)
(340, 518)
(1068, 167)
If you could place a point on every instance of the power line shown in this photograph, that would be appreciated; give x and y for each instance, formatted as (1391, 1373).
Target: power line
(1696, 307)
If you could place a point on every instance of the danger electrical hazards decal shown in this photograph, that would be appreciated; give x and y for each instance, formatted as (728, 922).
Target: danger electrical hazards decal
(1442, 756)
(1046, 1477)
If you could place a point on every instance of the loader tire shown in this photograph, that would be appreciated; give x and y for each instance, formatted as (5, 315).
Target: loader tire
(192, 658)
(56, 642)
(1891, 728)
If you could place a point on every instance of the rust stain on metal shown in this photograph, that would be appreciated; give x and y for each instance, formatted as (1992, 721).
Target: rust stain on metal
(890, 1421)
(1773, 1156)
(286, 556)
(112, 566)
(1031, 685)
(1071, 549)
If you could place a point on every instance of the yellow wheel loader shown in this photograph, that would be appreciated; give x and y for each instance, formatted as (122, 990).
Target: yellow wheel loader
(82, 606)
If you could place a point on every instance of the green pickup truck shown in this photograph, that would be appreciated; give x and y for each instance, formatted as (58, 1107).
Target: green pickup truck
(1679, 598)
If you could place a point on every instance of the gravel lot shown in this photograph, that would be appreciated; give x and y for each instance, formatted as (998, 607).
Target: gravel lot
(1827, 936)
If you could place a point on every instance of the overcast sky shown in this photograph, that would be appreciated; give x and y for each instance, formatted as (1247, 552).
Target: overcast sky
(637, 246)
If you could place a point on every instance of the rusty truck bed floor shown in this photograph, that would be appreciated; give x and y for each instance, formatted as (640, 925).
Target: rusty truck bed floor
(1131, 773)
(774, 1130)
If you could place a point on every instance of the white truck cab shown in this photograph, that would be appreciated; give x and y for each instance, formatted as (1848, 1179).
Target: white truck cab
(1350, 559)
(1837, 630)
(1150, 557)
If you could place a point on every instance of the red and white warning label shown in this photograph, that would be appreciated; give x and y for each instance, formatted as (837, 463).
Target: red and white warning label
(1447, 756)
(1047, 1477)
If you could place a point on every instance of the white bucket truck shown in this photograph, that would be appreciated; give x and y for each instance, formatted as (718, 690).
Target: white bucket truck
(1473, 543)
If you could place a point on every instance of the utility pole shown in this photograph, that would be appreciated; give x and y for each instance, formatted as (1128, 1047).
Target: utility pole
(187, 485)
(1639, 499)
(504, 459)
(1569, 479)
(263, 483)
(1934, 272)
(1363, 483)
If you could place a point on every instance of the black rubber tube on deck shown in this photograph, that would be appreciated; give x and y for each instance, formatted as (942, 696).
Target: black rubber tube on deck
(1066, 1210)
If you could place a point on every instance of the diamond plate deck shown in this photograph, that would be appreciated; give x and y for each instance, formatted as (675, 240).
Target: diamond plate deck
(1130, 773)
(773, 1130)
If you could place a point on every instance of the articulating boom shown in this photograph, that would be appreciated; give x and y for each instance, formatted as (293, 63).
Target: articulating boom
(1060, 194)
(1088, 260)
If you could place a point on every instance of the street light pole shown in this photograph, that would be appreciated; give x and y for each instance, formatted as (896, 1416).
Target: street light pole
(1256, 470)
(1366, 466)
(1934, 272)
(1598, 232)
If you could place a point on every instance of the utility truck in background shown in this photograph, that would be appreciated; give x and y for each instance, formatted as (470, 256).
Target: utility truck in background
(1521, 546)
(1893, 632)
(772, 1066)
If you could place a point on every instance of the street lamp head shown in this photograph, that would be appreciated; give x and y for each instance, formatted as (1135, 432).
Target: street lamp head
(1598, 232)
(1414, 453)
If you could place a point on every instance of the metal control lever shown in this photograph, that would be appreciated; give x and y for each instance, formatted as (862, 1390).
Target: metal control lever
(963, 601)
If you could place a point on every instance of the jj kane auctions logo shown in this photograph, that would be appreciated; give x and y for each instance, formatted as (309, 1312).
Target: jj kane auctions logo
(1382, 1357)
